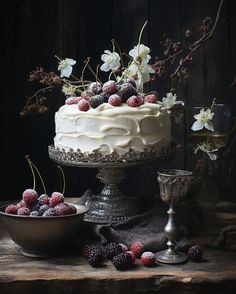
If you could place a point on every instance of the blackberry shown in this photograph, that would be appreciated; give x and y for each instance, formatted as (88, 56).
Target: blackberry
(105, 96)
(92, 247)
(96, 100)
(50, 212)
(95, 88)
(34, 213)
(37, 205)
(112, 249)
(123, 261)
(126, 91)
(195, 253)
(43, 208)
(95, 257)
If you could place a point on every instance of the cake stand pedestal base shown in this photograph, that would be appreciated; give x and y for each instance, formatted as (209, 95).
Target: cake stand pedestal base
(110, 205)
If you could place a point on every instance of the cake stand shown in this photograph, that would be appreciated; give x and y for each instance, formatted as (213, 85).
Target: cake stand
(110, 205)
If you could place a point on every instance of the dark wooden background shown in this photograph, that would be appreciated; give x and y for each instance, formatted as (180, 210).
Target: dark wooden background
(33, 31)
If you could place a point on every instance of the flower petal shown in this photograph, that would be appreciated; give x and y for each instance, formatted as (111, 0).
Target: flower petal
(70, 61)
(209, 125)
(197, 125)
(105, 67)
(66, 72)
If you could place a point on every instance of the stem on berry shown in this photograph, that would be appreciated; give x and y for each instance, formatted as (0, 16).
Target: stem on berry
(63, 179)
(32, 170)
(40, 177)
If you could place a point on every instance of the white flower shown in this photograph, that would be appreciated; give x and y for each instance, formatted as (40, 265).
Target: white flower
(69, 90)
(111, 61)
(205, 148)
(65, 67)
(170, 100)
(140, 53)
(203, 119)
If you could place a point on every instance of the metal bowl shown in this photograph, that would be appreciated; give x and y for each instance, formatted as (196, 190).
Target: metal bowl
(43, 236)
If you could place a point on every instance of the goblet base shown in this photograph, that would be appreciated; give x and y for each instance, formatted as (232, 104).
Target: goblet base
(171, 257)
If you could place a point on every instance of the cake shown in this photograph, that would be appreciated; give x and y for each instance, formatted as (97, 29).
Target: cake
(108, 129)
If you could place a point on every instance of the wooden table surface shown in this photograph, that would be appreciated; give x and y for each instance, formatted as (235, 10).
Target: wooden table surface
(73, 274)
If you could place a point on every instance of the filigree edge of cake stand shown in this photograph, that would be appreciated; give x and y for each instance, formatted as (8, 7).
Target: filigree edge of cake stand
(110, 205)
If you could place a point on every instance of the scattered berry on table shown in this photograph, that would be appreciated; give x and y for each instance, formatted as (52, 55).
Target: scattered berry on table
(44, 199)
(124, 247)
(62, 209)
(96, 100)
(132, 255)
(83, 105)
(50, 212)
(30, 196)
(115, 100)
(137, 248)
(195, 253)
(148, 259)
(123, 261)
(92, 247)
(111, 250)
(95, 257)
(110, 87)
(23, 211)
(151, 98)
(56, 198)
(11, 209)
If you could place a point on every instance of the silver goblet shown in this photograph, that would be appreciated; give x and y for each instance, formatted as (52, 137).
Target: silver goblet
(174, 184)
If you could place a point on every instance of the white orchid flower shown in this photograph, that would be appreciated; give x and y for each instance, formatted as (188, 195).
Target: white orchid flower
(111, 61)
(170, 100)
(203, 119)
(140, 53)
(65, 67)
(204, 148)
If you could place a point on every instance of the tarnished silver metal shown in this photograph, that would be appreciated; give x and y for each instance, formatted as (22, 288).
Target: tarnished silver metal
(174, 185)
(40, 236)
(110, 205)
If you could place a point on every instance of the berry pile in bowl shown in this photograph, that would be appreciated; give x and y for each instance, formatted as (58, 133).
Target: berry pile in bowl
(43, 226)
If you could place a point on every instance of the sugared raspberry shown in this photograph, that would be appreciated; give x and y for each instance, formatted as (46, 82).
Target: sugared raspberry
(148, 259)
(23, 211)
(87, 94)
(137, 248)
(141, 99)
(30, 196)
(96, 100)
(110, 87)
(115, 100)
(11, 209)
(50, 212)
(44, 199)
(72, 209)
(56, 198)
(62, 209)
(126, 91)
(22, 204)
(151, 98)
(71, 100)
(34, 213)
(43, 208)
(134, 101)
(105, 96)
(95, 87)
(83, 105)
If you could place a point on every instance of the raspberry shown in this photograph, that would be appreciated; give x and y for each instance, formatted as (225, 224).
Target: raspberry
(195, 253)
(43, 208)
(56, 198)
(44, 199)
(95, 87)
(50, 212)
(126, 91)
(11, 209)
(22, 204)
(137, 248)
(105, 96)
(23, 211)
(111, 250)
(70, 101)
(95, 258)
(148, 259)
(123, 261)
(83, 105)
(115, 100)
(30, 196)
(110, 87)
(96, 100)
(124, 247)
(62, 209)
(151, 98)
(34, 213)
(134, 101)
(141, 99)
(87, 94)
(72, 209)
(92, 247)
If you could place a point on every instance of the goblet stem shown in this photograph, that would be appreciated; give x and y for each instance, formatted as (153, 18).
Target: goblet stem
(171, 229)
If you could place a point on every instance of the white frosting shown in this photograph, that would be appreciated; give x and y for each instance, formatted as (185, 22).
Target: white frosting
(108, 128)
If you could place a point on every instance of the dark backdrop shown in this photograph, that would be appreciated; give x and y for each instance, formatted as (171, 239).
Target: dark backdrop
(33, 31)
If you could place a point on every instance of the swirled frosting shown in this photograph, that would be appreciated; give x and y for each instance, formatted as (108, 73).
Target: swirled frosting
(108, 128)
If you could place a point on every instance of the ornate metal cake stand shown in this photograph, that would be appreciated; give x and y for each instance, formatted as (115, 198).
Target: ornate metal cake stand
(110, 205)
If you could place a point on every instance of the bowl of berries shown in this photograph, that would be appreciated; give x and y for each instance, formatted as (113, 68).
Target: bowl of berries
(43, 225)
